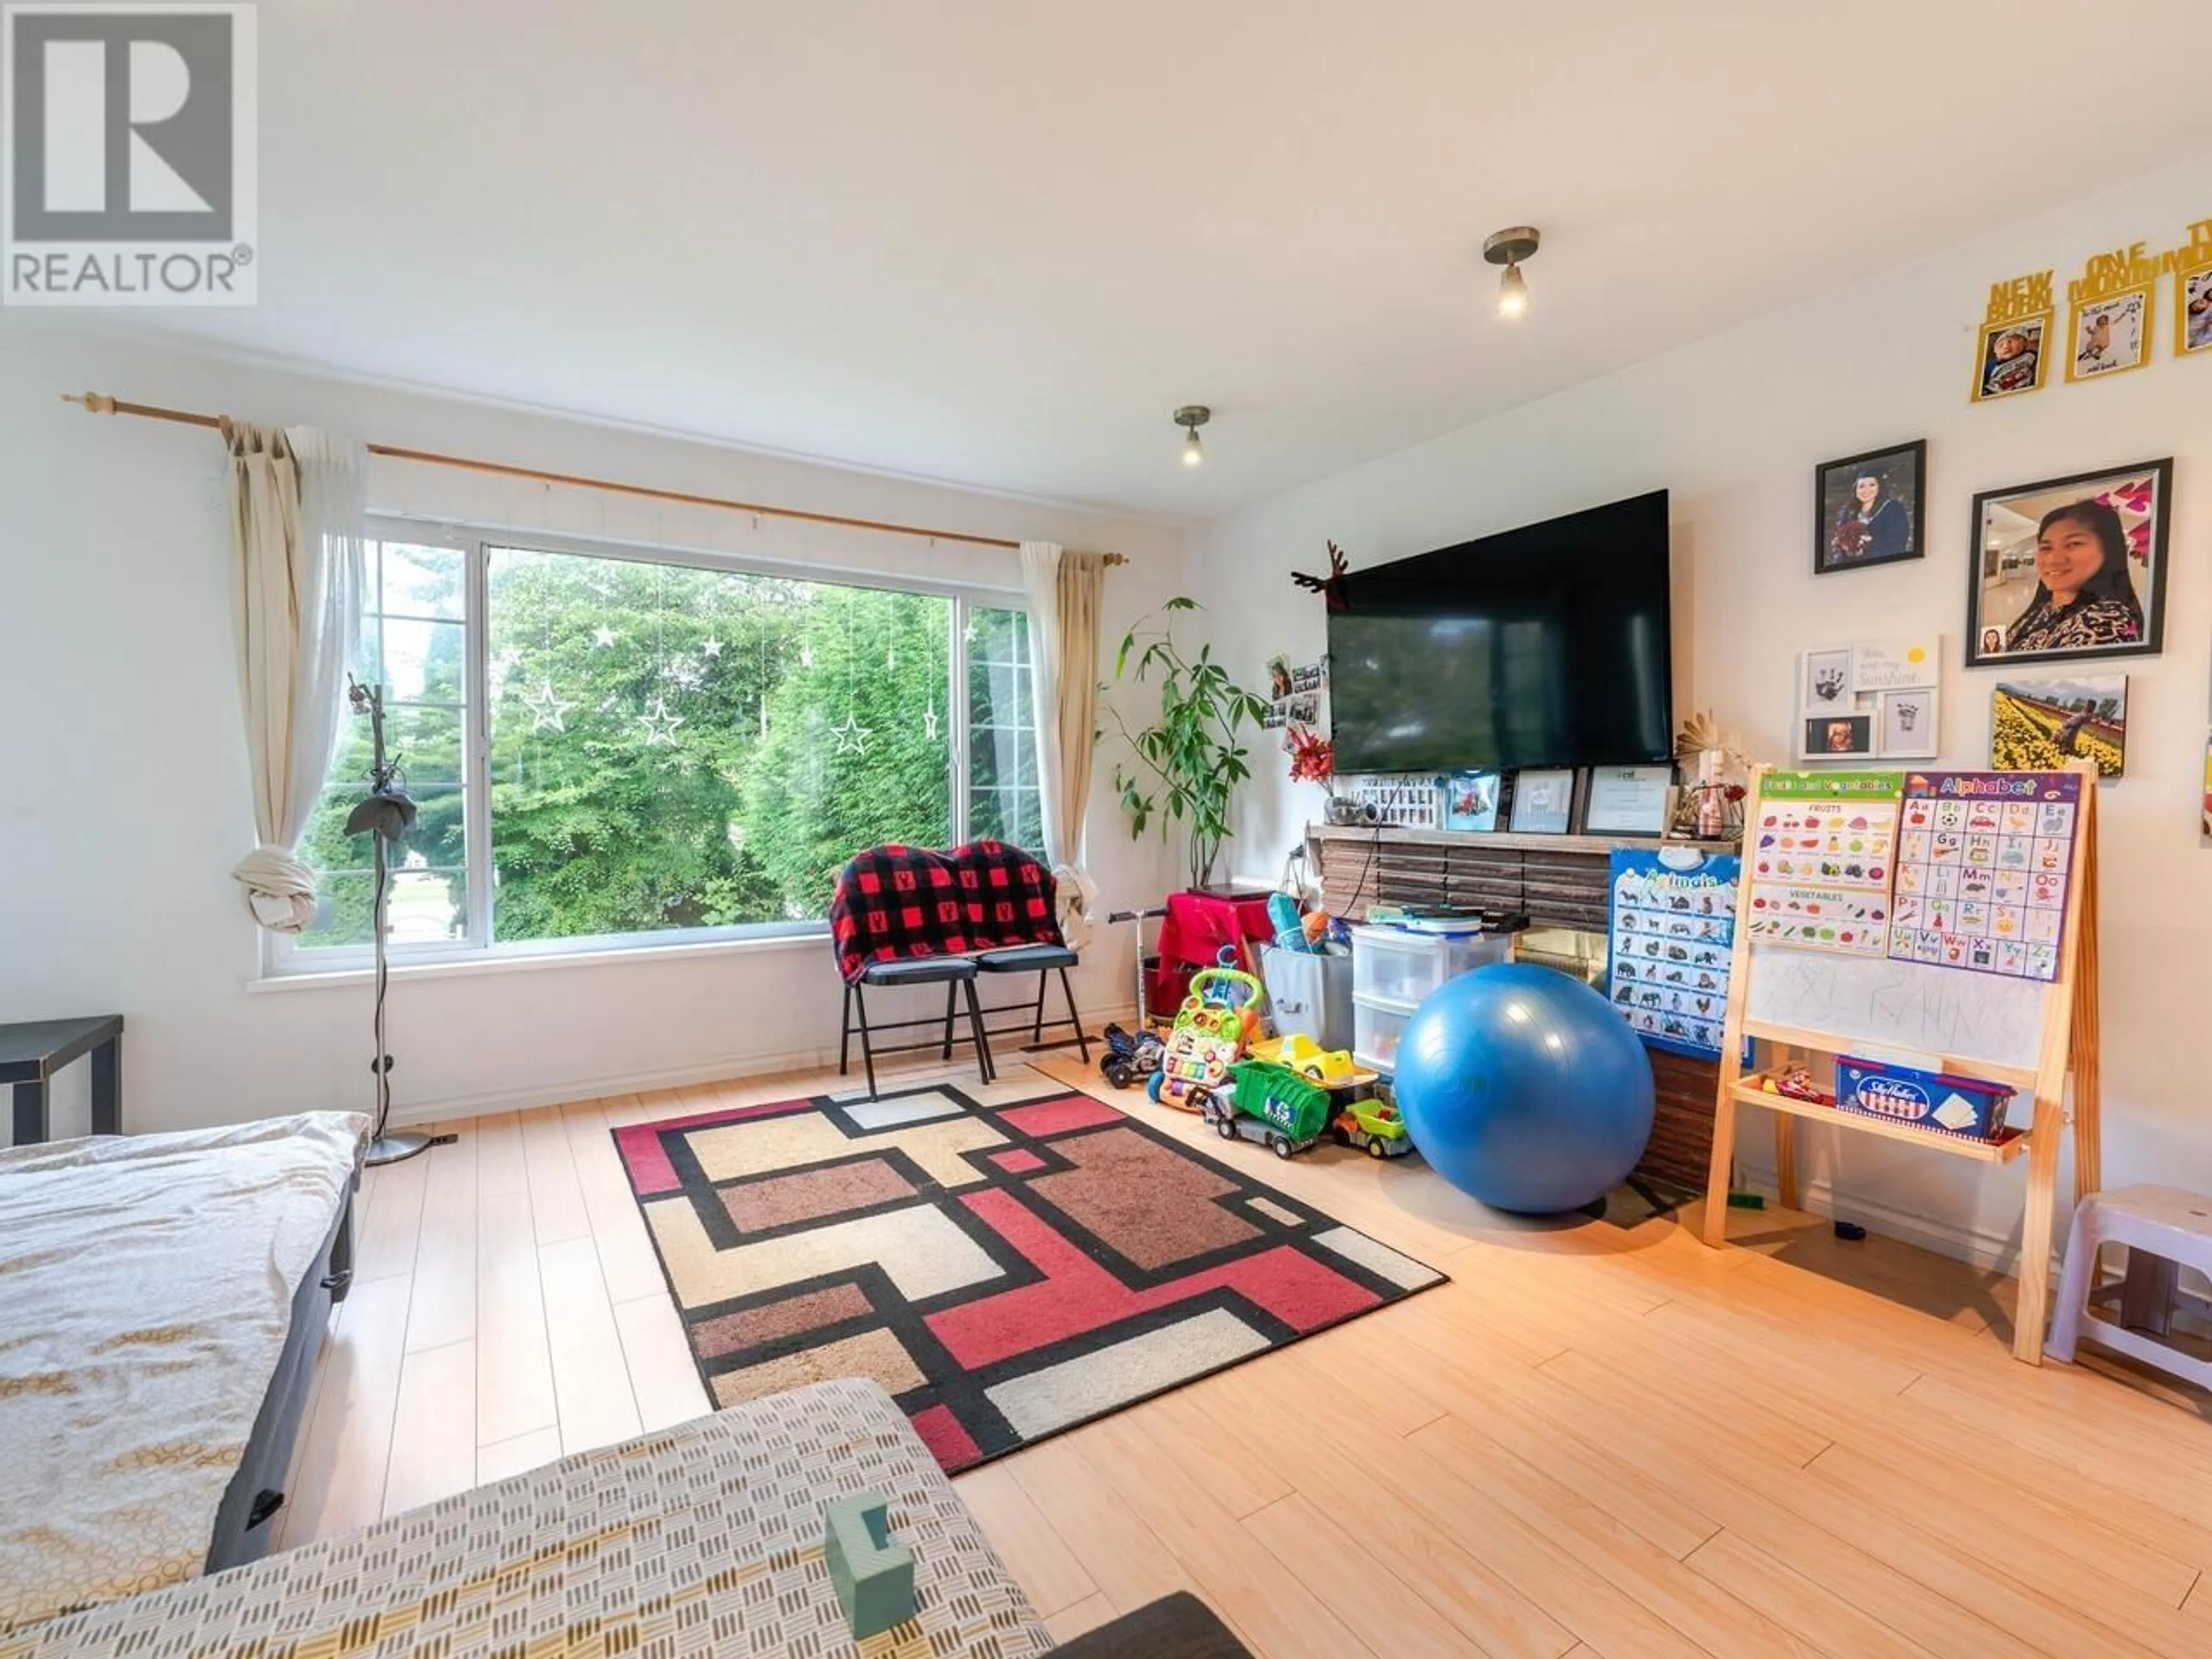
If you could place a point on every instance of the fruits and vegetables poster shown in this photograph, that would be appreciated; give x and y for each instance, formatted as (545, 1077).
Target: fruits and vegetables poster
(1674, 935)
(1821, 858)
(1984, 871)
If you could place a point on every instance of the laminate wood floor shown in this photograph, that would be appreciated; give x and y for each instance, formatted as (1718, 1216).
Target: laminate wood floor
(1593, 1442)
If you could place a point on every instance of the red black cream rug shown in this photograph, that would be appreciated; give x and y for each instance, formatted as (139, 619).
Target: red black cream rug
(1008, 1261)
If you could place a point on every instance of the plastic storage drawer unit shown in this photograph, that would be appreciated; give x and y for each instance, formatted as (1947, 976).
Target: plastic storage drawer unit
(1404, 964)
(1377, 1022)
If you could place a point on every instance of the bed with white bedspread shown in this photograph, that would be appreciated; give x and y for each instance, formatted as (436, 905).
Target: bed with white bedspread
(162, 1299)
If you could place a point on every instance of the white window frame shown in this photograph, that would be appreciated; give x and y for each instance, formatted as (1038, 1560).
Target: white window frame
(282, 957)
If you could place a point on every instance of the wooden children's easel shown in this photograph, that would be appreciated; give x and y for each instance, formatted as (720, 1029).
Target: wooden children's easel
(1835, 1007)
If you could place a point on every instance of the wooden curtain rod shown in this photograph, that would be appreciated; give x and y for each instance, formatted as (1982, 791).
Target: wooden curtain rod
(99, 402)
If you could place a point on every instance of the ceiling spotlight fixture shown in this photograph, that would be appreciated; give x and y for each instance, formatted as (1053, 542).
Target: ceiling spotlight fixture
(1190, 417)
(1509, 248)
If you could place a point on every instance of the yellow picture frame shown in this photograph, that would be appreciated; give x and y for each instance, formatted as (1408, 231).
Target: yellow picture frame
(2148, 292)
(2183, 277)
(2041, 323)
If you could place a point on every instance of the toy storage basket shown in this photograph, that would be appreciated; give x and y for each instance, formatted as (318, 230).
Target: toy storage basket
(1309, 994)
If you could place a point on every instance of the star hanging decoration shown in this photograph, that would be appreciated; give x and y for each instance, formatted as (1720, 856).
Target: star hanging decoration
(659, 724)
(711, 648)
(929, 722)
(546, 709)
(852, 737)
(602, 637)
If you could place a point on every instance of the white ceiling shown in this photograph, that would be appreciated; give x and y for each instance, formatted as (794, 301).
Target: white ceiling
(996, 241)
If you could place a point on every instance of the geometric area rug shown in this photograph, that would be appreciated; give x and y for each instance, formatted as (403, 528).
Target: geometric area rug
(1007, 1261)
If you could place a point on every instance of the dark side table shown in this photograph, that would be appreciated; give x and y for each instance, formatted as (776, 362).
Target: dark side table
(31, 1053)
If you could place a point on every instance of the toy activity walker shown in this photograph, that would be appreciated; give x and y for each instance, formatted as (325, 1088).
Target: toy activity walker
(1219, 1016)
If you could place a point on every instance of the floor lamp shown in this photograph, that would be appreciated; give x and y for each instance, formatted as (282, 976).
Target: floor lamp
(386, 816)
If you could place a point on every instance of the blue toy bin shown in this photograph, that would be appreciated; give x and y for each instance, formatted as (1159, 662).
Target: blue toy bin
(1963, 1108)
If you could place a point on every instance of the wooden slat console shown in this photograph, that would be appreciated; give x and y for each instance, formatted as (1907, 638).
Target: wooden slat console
(1560, 881)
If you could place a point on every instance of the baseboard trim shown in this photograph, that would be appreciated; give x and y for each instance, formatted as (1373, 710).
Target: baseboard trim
(1979, 1247)
(568, 1091)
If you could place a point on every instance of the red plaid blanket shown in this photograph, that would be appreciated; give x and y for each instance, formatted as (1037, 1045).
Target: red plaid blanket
(896, 902)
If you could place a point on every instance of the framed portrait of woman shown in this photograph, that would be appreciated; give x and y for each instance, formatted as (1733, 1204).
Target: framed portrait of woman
(1866, 508)
(2068, 569)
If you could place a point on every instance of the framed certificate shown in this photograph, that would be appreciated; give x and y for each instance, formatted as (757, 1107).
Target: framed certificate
(1543, 801)
(1628, 800)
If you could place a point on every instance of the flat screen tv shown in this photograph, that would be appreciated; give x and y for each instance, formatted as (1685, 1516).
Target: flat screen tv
(1545, 646)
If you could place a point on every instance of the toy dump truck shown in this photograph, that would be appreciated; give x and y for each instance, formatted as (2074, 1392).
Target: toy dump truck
(1375, 1126)
(1331, 1068)
(1269, 1103)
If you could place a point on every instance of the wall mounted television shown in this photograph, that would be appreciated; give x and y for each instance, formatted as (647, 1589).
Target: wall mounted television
(1545, 646)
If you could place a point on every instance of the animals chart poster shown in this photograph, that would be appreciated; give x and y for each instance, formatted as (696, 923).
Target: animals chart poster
(1983, 870)
(1673, 931)
(1821, 858)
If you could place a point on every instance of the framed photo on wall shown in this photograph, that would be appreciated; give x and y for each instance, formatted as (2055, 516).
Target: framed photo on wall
(2013, 357)
(2192, 308)
(1839, 737)
(1471, 801)
(2110, 336)
(2070, 569)
(1870, 699)
(1543, 801)
(1866, 508)
(1824, 684)
(1908, 723)
(2038, 726)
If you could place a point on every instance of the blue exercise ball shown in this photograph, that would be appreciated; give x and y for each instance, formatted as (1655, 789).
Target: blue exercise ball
(1524, 1088)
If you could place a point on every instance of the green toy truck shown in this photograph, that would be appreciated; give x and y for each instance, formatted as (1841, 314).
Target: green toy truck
(1269, 1103)
(1375, 1126)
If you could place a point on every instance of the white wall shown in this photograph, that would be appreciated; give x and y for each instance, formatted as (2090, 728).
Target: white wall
(1733, 426)
(123, 774)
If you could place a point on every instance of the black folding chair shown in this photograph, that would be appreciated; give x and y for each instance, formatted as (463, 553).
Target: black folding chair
(955, 974)
(1043, 961)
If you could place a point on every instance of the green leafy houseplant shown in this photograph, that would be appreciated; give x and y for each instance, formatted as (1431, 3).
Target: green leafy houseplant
(1190, 761)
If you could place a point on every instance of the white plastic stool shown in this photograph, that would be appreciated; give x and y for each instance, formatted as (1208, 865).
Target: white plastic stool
(2165, 1230)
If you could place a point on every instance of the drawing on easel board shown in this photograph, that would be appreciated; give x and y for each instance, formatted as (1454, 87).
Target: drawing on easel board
(1984, 871)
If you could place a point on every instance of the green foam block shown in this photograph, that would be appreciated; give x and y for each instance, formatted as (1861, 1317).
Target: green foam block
(873, 1574)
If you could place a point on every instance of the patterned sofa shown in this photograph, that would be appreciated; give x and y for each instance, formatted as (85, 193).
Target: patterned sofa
(706, 1539)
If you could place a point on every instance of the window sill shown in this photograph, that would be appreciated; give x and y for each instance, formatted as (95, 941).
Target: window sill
(471, 967)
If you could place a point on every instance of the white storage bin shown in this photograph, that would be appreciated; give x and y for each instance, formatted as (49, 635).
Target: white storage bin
(1377, 1022)
(1400, 964)
(1308, 994)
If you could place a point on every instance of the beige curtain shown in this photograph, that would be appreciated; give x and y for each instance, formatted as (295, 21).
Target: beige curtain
(1066, 590)
(297, 502)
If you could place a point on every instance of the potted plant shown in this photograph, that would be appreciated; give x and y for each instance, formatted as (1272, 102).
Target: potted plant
(1190, 760)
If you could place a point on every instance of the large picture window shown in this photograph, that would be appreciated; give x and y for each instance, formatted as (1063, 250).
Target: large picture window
(609, 748)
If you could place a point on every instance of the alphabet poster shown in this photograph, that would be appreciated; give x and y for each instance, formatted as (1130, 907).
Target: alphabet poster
(1674, 935)
(1821, 859)
(1984, 871)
